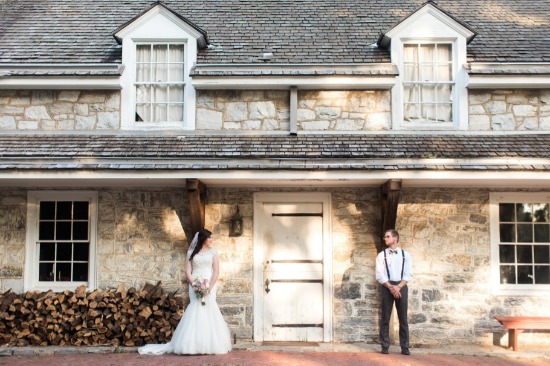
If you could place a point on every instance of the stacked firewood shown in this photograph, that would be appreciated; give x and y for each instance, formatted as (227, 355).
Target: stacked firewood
(102, 317)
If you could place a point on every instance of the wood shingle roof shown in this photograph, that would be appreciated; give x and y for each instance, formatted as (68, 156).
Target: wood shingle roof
(240, 31)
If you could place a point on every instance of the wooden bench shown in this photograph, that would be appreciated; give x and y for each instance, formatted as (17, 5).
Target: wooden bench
(517, 324)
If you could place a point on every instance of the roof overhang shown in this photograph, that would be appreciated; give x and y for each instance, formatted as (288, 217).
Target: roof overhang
(508, 75)
(277, 178)
(303, 76)
(60, 76)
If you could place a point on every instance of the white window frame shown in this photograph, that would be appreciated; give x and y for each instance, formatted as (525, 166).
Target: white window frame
(430, 25)
(431, 82)
(34, 198)
(508, 197)
(182, 83)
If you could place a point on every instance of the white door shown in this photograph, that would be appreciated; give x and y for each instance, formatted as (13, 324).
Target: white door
(292, 244)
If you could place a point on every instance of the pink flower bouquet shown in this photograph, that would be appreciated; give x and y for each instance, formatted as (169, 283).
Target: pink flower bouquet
(201, 287)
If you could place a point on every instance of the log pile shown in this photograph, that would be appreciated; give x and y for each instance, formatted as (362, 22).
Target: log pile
(101, 317)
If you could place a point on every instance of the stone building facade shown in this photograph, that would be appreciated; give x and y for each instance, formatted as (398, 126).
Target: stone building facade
(141, 239)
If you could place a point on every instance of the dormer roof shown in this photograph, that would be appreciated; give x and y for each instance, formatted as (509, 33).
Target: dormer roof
(159, 7)
(431, 8)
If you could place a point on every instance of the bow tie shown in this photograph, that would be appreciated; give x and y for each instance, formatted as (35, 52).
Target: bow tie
(393, 251)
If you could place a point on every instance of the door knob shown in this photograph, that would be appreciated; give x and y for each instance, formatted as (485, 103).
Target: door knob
(267, 282)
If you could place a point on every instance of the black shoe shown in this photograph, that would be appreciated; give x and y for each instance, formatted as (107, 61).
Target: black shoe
(405, 351)
(385, 351)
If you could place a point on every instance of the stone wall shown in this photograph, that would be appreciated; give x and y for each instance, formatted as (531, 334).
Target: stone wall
(447, 233)
(59, 110)
(317, 110)
(141, 238)
(509, 110)
(13, 220)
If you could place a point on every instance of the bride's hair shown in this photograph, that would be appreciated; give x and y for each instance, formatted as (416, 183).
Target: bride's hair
(202, 235)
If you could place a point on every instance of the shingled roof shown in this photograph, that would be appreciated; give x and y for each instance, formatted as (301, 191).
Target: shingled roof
(240, 31)
(329, 152)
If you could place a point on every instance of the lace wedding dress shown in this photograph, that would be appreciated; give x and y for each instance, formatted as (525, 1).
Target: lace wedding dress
(202, 329)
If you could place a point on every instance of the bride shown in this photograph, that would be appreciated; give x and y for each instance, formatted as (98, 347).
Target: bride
(202, 329)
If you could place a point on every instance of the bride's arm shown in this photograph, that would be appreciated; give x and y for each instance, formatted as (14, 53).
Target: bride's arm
(188, 270)
(215, 271)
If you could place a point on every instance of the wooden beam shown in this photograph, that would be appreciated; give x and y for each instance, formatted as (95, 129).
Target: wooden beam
(196, 194)
(390, 200)
(293, 110)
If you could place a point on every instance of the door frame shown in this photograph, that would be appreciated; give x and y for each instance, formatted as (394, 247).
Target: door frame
(258, 245)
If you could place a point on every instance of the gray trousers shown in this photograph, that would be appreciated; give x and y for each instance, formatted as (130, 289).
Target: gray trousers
(401, 305)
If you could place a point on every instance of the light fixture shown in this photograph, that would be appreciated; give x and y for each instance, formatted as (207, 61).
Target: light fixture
(236, 224)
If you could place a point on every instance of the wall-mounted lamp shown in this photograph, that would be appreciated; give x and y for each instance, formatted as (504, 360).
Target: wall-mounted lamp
(236, 224)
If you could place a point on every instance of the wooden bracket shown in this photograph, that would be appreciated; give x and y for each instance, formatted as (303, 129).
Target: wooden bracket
(390, 192)
(196, 194)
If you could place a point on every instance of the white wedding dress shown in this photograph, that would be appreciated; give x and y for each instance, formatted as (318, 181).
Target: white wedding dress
(202, 329)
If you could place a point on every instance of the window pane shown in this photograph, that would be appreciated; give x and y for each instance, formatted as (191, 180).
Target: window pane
(176, 53)
(542, 233)
(175, 112)
(411, 72)
(143, 113)
(64, 252)
(507, 233)
(427, 72)
(506, 212)
(160, 112)
(64, 210)
(45, 272)
(47, 210)
(63, 272)
(47, 252)
(143, 53)
(428, 93)
(80, 272)
(143, 94)
(524, 212)
(63, 230)
(542, 275)
(444, 72)
(160, 62)
(176, 94)
(525, 274)
(143, 73)
(160, 93)
(81, 252)
(426, 53)
(507, 253)
(46, 231)
(525, 233)
(80, 230)
(525, 253)
(80, 211)
(507, 275)
(541, 212)
(542, 254)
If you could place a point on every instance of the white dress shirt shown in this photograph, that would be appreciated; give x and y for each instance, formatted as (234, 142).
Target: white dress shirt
(395, 261)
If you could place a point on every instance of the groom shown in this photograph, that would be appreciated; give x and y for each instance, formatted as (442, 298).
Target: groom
(393, 272)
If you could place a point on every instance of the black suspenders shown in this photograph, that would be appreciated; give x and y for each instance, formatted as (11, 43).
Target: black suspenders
(402, 264)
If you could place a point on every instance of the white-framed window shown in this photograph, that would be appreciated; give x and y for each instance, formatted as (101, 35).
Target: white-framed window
(520, 242)
(159, 49)
(428, 82)
(61, 240)
(160, 83)
(429, 49)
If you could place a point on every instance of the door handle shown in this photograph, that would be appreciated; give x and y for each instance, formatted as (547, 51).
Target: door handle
(267, 282)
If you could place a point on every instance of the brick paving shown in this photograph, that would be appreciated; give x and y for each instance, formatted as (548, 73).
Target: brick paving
(270, 358)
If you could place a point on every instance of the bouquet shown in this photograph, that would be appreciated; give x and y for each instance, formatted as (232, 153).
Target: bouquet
(200, 286)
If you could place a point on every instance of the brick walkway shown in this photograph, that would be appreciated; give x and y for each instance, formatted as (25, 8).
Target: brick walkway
(270, 358)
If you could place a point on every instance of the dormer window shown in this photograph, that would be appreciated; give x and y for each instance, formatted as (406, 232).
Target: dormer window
(427, 82)
(159, 47)
(429, 49)
(160, 82)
